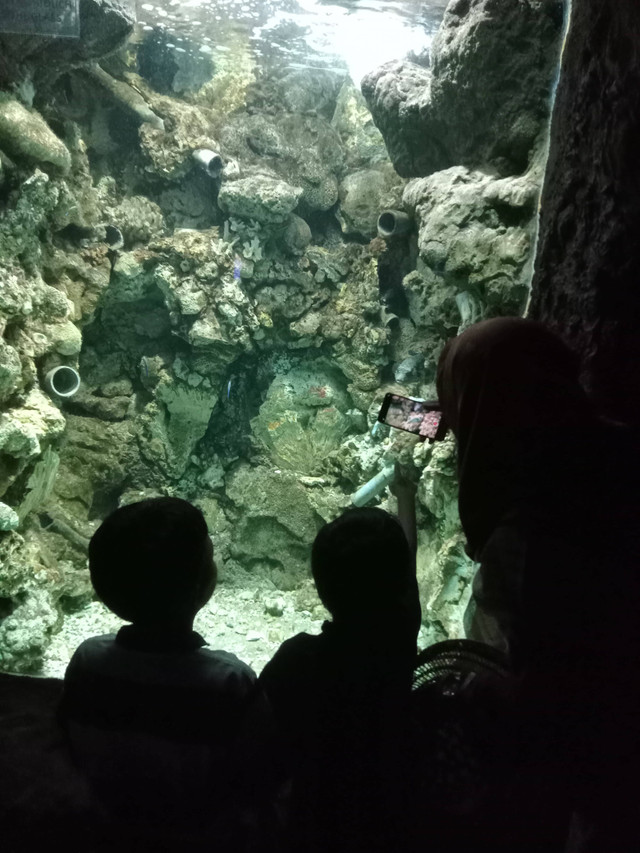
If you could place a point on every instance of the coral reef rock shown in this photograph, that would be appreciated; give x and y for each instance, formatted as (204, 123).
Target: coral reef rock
(139, 219)
(304, 150)
(363, 195)
(444, 570)
(10, 371)
(361, 140)
(276, 524)
(105, 25)
(310, 89)
(25, 135)
(9, 518)
(475, 233)
(303, 418)
(485, 96)
(258, 197)
(295, 236)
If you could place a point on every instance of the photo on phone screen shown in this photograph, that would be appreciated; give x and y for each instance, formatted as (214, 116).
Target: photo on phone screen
(417, 416)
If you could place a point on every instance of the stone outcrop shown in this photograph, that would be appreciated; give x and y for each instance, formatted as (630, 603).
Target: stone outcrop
(25, 135)
(483, 101)
(304, 418)
(362, 141)
(363, 195)
(471, 129)
(276, 523)
(475, 234)
(104, 26)
(586, 279)
(444, 570)
(272, 146)
(264, 199)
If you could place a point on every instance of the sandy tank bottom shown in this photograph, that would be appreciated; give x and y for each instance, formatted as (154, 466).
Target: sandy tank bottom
(251, 624)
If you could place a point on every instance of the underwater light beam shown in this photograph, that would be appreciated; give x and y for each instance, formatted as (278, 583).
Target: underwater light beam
(362, 38)
(367, 40)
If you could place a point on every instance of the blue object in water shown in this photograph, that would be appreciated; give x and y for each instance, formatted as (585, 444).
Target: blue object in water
(237, 268)
(375, 485)
(228, 389)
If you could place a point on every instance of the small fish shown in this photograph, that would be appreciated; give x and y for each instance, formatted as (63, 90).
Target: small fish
(145, 365)
(376, 429)
(228, 389)
(237, 268)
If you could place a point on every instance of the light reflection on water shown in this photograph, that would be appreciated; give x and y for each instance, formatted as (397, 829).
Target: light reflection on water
(353, 35)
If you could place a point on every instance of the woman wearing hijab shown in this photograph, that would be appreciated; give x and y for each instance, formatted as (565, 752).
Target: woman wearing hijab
(546, 502)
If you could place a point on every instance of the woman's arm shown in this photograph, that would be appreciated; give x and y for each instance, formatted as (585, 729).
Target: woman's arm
(405, 491)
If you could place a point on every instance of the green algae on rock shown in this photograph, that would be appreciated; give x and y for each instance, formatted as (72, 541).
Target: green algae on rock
(267, 200)
(9, 518)
(26, 136)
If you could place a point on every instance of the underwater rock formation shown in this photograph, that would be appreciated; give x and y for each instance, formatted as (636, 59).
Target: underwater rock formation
(33, 204)
(259, 197)
(304, 418)
(104, 26)
(124, 96)
(9, 519)
(139, 219)
(361, 140)
(303, 150)
(275, 521)
(295, 236)
(304, 90)
(25, 136)
(475, 234)
(10, 371)
(485, 97)
(363, 194)
(444, 570)
(236, 329)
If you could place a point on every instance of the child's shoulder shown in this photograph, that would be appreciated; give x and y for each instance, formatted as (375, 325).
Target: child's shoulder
(105, 655)
(297, 654)
(226, 665)
(94, 648)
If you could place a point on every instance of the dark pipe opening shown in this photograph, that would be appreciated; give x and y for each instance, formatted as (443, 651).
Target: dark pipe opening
(214, 167)
(387, 222)
(64, 380)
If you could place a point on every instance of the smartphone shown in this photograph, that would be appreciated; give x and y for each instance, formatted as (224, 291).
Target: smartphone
(421, 417)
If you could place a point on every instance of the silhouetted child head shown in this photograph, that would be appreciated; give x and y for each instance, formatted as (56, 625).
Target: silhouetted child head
(152, 562)
(361, 564)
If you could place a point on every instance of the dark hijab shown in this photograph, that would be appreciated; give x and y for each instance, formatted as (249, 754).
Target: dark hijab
(510, 392)
(530, 446)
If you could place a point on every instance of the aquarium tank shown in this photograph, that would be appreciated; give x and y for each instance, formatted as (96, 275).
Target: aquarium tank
(227, 229)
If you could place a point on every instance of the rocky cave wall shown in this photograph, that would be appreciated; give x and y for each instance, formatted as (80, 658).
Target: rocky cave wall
(236, 324)
(586, 280)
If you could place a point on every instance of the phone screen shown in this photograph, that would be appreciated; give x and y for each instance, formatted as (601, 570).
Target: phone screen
(420, 417)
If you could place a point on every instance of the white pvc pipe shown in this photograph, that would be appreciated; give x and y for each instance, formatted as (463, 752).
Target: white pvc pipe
(210, 161)
(374, 486)
(62, 381)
